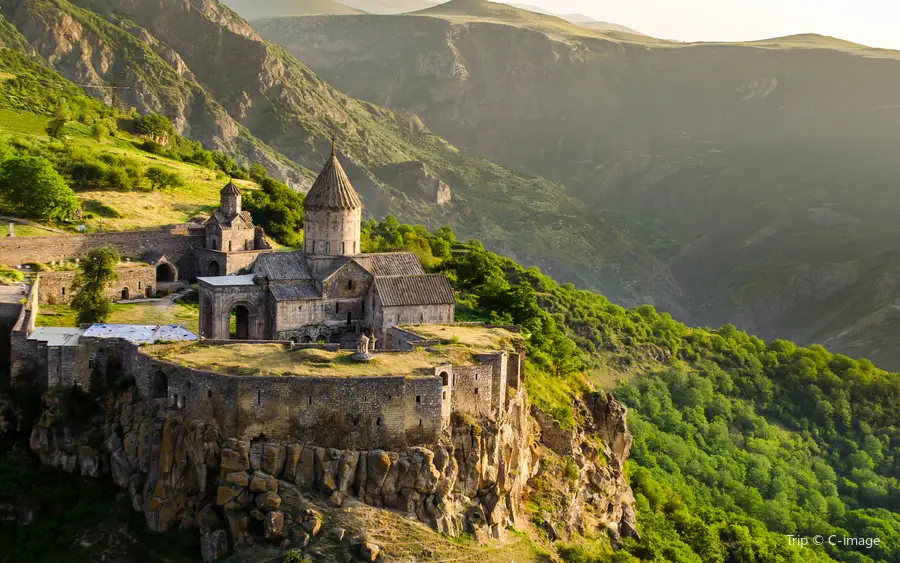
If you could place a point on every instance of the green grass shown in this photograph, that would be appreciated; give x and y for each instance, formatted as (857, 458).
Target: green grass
(149, 313)
(13, 121)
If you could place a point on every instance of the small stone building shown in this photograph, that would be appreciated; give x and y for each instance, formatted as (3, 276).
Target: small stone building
(328, 292)
(233, 242)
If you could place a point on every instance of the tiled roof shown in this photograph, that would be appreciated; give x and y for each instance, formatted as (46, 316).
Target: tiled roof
(399, 291)
(299, 292)
(230, 188)
(390, 264)
(282, 266)
(227, 223)
(332, 189)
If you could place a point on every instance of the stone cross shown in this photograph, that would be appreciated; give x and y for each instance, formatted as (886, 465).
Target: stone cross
(372, 338)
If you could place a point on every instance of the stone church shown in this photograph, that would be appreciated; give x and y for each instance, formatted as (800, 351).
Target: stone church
(329, 291)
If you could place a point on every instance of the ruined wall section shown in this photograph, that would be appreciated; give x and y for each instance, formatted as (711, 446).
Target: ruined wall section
(177, 243)
(56, 287)
(24, 355)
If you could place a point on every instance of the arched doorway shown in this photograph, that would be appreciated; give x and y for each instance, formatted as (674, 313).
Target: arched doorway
(165, 273)
(149, 291)
(241, 323)
(126, 295)
(320, 339)
(159, 386)
(214, 268)
(306, 340)
(445, 379)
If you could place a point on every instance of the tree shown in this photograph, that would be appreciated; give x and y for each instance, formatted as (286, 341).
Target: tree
(62, 115)
(161, 179)
(258, 172)
(99, 131)
(32, 185)
(98, 270)
(154, 125)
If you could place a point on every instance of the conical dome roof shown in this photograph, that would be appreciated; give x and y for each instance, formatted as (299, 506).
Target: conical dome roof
(332, 189)
(230, 188)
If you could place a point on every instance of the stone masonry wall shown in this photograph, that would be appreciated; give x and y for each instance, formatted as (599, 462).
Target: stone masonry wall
(24, 357)
(177, 243)
(56, 287)
(472, 389)
(346, 412)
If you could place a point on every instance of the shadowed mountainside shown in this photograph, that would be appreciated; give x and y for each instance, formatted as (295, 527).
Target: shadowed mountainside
(761, 174)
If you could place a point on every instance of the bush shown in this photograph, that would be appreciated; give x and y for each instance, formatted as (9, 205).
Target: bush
(32, 185)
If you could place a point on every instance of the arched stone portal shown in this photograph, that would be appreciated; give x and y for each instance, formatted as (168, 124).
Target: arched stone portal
(214, 269)
(126, 295)
(241, 323)
(165, 273)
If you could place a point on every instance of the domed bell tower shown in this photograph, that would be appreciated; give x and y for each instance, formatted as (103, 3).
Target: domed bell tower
(332, 213)
(230, 201)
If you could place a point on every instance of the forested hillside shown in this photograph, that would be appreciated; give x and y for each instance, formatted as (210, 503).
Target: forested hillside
(761, 174)
(738, 442)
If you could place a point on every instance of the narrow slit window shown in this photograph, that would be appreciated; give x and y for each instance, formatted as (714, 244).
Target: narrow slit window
(378, 422)
(259, 397)
(418, 398)
(310, 399)
(476, 390)
(209, 393)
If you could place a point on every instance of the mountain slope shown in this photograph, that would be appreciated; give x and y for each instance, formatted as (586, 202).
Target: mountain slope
(254, 9)
(247, 86)
(578, 19)
(761, 174)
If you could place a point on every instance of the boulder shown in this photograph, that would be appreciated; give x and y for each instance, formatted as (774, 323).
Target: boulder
(213, 546)
(263, 483)
(273, 526)
(239, 478)
(273, 458)
(369, 550)
(305, 473)
(268, 502)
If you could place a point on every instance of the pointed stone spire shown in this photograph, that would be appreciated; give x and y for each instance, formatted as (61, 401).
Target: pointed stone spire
(332, 189)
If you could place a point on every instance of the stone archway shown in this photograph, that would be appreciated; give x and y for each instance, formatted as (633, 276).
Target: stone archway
(306, 340)
(165, 273)
(241, 313)
(214, 269)
(126, 294)
(206, 318)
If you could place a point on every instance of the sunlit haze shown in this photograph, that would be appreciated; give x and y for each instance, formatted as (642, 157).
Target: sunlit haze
(870, 22)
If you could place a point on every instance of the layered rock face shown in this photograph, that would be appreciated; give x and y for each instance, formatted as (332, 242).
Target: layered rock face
(598, 497)
(181, 472)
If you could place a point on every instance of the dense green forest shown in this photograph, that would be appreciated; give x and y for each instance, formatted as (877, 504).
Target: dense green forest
(738, 443)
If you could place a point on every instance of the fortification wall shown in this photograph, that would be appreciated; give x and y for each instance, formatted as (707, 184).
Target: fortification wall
(56, 287)
(337, 412)
(499, 364)
(176, 243)
(472, 386)
(24, 356)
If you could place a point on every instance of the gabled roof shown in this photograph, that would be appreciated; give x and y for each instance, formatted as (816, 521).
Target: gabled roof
(390, 264)
(242, 220)
(332, 189)
(230, 189)
(280, 266)
(298, 292)
(401, 291)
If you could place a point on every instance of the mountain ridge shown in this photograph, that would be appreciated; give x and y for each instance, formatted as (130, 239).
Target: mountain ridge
(722, 159)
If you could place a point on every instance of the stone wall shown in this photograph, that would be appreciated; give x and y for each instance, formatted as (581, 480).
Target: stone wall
(9, 314)
(499, 364)
(24, 357)
(220, 263)
(177, 243)
(334, 233)
(139, 281)
(472, 389)
(343, 412)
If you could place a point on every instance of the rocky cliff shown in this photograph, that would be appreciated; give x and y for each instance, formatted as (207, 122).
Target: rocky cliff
(182, 473)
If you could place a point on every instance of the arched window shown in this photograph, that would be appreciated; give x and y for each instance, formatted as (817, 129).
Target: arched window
(337, 308)
(229, 246)
(349, 318)
(350, 285)
(160, 385)
(342, 248)
(445, 378)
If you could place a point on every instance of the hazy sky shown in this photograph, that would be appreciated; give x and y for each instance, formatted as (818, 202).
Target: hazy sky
(870, 22)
